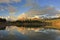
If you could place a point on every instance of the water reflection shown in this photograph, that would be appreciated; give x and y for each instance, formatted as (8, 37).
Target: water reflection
(21, 33)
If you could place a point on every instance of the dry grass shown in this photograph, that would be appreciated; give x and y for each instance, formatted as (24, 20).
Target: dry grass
(55, 23)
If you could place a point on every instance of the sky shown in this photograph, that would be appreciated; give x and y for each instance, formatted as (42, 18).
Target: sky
(17, 7)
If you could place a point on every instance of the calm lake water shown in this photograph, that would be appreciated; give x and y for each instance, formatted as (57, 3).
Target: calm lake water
(21, 33)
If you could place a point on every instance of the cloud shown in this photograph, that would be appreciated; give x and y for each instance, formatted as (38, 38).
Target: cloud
(2, 8)
(4, 1)
(11, 9)
(4, 5)
(16, 0)
(37, 11)
(9, 1)
(30, 3)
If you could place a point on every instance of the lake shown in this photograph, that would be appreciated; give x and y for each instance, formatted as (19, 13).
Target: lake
(21, 33)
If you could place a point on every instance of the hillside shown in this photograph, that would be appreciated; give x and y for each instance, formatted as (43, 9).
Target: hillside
(55, 23)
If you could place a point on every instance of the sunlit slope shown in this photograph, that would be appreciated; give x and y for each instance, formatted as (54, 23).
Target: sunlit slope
(55, 23)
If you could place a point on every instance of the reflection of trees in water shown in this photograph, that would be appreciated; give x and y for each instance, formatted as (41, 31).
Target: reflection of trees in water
(44, 35)
(11, 35)
(21, 33)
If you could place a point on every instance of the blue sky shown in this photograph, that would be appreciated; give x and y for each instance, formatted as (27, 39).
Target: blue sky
(21, 6)
(55, 3)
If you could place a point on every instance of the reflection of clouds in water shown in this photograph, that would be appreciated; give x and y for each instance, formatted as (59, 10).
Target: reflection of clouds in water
(11, 35)
(16, 33)
(45, 35)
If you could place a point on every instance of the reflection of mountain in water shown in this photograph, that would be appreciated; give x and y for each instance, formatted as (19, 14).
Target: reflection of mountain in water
(11, 35)
(45, 35)
(15, 33)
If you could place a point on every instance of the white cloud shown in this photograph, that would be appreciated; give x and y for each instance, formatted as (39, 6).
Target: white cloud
(11, 18)
(37, 10)
(11, 9)
(16, 0)
(4, 1)
(9, 1)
